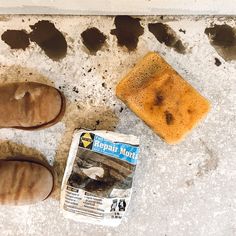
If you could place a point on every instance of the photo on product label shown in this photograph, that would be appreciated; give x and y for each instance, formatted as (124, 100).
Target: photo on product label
(101, 175)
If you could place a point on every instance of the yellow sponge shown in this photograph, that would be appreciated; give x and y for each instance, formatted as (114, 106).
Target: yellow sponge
(156, 93)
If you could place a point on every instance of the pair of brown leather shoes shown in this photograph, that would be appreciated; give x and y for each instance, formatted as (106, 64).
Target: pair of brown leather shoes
(27, 106)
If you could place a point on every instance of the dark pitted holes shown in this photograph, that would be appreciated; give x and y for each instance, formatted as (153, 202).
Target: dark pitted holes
(49, 39)
(93, 39)
(16, 39)
(127, 31)
(165, 34)
(223, 39)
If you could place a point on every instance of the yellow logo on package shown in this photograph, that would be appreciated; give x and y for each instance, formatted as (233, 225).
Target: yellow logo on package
(86, 139)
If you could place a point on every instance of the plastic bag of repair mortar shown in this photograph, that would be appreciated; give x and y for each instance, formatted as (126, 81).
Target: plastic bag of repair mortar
(97, 183)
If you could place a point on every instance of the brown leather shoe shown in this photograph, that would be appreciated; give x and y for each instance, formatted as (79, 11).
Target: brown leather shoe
(24, 182)
(30, 105)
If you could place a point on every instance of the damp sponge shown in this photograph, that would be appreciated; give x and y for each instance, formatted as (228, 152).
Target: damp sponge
(156, 93)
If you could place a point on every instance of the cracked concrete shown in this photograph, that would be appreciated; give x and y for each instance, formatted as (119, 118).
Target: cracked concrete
(184, 189)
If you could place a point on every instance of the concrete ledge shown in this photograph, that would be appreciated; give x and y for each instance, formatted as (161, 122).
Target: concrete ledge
(112, 7)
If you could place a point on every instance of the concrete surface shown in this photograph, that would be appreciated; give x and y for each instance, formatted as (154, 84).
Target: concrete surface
(111, 7)
(185, 189)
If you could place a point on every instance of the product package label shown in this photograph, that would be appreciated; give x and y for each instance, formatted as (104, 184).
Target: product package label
(122, 151)
(98, 179)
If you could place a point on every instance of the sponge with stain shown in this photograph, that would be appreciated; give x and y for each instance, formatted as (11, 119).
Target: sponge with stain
(156, 93)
